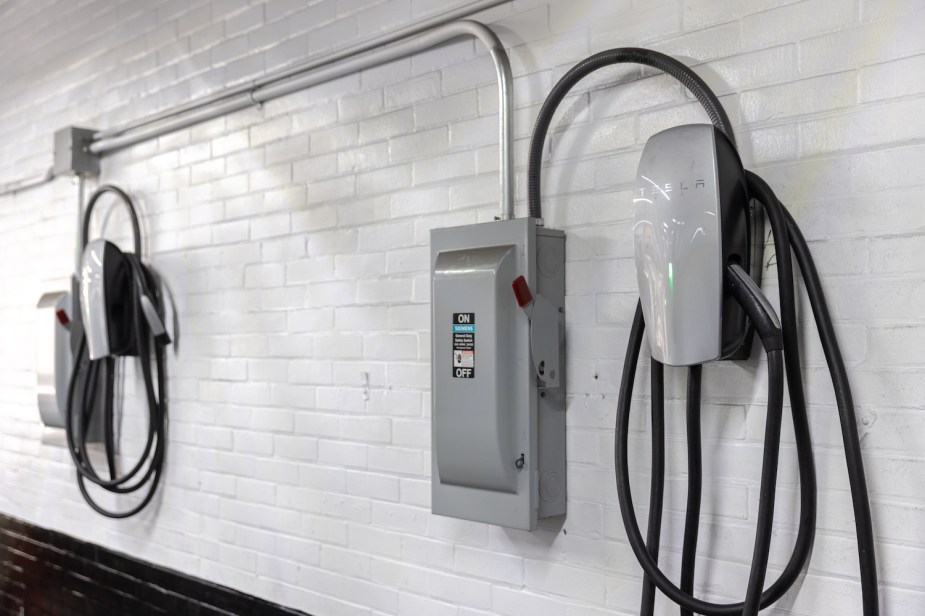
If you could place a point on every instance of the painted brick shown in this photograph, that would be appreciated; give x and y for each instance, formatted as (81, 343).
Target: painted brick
(294, 238)
(802, 19)
(852, 47)
(407, 92)
(799, 98)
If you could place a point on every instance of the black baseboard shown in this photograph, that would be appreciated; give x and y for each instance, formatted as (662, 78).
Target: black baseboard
(47, 573)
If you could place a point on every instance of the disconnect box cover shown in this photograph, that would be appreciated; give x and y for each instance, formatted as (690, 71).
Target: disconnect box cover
(486, 462)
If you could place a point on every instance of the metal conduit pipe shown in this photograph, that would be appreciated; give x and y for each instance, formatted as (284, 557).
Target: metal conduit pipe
(12, 188)
(313, 63)
(368, 59)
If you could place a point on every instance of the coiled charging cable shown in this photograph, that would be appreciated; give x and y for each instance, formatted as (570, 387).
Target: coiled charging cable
(86, 375)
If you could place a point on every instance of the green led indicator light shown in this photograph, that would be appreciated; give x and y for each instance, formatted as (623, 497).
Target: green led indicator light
(670, 275)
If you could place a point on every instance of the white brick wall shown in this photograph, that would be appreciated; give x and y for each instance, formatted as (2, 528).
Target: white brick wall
(294, 239)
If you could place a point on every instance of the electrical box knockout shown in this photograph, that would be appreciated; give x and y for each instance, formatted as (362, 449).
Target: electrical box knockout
(498, 372)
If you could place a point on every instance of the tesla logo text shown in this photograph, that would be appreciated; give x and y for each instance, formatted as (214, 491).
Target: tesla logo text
(667, 188)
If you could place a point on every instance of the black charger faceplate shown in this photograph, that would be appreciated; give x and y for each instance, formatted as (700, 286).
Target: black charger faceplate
(118, 295)
(742, 243)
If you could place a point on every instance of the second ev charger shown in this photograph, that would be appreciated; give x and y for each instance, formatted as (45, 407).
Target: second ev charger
(498, 428)
(120, 314)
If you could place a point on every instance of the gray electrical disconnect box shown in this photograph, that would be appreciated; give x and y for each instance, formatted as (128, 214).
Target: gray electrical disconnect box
(52, 357)
(54, 362)
(498, 447)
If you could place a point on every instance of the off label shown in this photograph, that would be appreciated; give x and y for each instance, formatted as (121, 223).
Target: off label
(464, 345)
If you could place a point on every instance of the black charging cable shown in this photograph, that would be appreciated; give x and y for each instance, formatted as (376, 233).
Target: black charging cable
(786, 237)
(150, 339)
(657, 484)
(694, 482)
(847, 417)
(611, 57)
(765, 321)
(762, 315)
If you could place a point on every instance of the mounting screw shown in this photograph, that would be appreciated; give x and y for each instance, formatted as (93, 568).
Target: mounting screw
(519, 462)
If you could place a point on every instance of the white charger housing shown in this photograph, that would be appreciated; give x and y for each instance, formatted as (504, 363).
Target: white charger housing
(691, 218)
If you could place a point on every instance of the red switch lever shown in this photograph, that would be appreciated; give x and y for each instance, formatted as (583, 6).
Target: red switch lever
(522, 291)
(62, 317)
